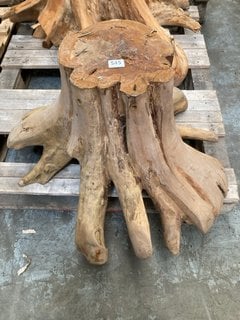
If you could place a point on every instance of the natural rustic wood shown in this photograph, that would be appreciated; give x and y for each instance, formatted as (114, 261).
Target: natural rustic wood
(197, 134)
(38, 33)
(40, 127)
(5, 32)
(169, 13)
(86, 123)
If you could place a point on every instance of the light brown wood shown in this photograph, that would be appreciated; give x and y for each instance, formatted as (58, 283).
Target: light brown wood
(119, 124)
(6, 27)
(169, 13)
(38, 32)
(40, 127)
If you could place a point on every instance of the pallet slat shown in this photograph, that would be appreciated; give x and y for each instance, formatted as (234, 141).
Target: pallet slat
(23, 49)
(17, 98)
(203, 107)
(193, 12)
(67, 182)
(26, 42)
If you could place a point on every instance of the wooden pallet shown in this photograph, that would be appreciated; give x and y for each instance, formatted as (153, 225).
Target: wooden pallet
(62, 192)
(6, 27)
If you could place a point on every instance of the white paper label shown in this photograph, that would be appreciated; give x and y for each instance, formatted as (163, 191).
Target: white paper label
(118, 63)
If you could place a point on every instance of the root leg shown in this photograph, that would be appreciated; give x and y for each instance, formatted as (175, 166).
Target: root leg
(125, 181)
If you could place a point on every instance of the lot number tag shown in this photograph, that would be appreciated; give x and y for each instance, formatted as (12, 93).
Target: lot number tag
(119, 63)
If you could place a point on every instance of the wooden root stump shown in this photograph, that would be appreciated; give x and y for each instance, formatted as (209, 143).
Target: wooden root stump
(119, 124)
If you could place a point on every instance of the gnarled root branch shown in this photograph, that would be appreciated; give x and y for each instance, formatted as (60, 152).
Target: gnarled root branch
(124, 178)
(49, 127)
(171, 14)
(196, 134)
(40, 128)
(25, 11)
(87, 134)
(183, 183)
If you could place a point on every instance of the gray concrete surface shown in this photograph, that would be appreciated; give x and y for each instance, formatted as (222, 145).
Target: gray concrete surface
(200, 284)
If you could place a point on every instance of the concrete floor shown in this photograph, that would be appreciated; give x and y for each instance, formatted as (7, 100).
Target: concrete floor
(200, 284)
